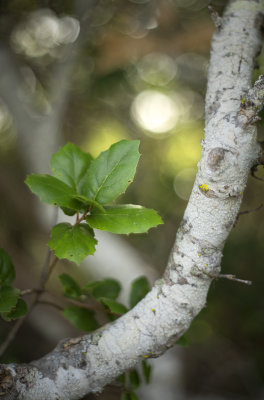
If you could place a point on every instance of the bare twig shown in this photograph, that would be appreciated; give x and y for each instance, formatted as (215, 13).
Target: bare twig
(246, 212)
(51, 268)
(233, 278)
(50, 303)
(217, 20)
(12, 333)
(25, 292)
(11, 336)
(254, 170)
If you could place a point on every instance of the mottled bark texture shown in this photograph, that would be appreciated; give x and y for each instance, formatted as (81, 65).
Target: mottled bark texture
(79, 366)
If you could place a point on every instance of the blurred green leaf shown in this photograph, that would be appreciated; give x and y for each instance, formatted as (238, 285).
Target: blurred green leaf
(8, 298)
(125, 396)
(122, 378)
(111, 172)
(114, 306)
(134, 379)
(7, 270)
(109, 288)
(124, 219)
(18, 311)
(139, 288)
(72, 242)
(261, 115)
(183, 341)
(70, 165)
(81, 318)
(146, 371)
(129, 396)
(52, 191)
(70, 286)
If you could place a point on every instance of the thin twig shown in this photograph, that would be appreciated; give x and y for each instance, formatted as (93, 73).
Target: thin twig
(12, 333)
(50, 303)
(81, 304)
(11, 336)
(51, 268)
(46, 272)
(246, 212)
(217, 20)
(233, 278)
(45, 268)
(25, 292)
(254, 170)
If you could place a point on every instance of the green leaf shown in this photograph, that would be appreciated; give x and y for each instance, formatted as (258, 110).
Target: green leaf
(124, 219)
(109, 288)
(81, 318)
(18, 311)
(86, 202)
(139, 288)
(261, 115)
(125, 396)
(114, 307)
(70, 286)
(70, 165)
(72, 242)
(111, 172)
(146, 371)
(68, 211)
(129, 396)
(133, 396)
(7, 271)
(134, 379)
(122, 378)
(8, 298)
(52, 191)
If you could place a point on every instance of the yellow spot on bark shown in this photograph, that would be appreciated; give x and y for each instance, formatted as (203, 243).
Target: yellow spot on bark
(204, 187)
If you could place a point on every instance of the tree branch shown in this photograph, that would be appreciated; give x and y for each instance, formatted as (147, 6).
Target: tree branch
(85, 364)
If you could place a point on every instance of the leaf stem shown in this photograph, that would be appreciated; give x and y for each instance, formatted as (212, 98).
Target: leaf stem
(78, 219)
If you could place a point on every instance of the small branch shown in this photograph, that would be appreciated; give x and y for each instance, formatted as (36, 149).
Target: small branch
(217, 20)
(82, 218)
(45, 270)
(38, 292)
(11, 336)
(233, 278)
(253, 171)
(50, 303)
(25, 292)
(246, 212)
(49, 272)
(78, 303)
(12, 333)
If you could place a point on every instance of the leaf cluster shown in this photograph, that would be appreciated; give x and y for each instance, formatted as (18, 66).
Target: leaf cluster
(86, 187)
(105, 293)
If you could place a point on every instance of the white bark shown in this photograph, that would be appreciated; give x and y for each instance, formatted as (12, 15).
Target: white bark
(82, 365)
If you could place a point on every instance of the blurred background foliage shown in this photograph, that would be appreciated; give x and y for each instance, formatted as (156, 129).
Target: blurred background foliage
(137, 71)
